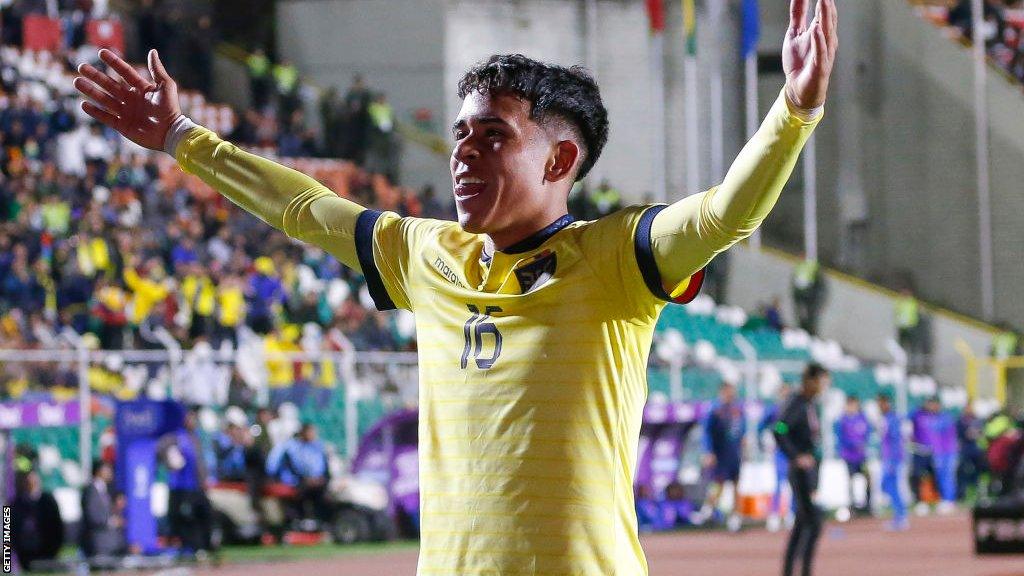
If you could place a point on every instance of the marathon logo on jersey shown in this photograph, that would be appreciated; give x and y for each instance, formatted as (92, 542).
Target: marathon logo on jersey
(537, 271)
(445, 270)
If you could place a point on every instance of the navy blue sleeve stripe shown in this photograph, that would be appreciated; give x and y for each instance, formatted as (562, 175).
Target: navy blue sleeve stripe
(649, 268)
(364, 250)
(645, 252)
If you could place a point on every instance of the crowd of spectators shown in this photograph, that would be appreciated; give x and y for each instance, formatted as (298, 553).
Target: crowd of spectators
(1003, 29)
(112, 241)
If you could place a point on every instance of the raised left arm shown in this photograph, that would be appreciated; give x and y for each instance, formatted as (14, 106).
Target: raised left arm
(689, 233)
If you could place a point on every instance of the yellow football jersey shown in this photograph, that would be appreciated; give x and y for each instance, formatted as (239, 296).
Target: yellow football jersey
(532, 386)
(532, 360)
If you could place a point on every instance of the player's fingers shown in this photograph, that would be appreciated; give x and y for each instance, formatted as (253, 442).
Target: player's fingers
(826, 15)
(93, 92)
(156, 68)
(100, 114)
(797, 15)
(833, 31)
(821, 51)
(112, 86)
(125, 70)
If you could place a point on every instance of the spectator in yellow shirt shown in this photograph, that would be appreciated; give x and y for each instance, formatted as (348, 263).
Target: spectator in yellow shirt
(231, 310)
(198, 301)
(281, 371)
(147, 291)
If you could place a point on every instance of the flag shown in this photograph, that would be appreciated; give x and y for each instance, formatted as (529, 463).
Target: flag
(751, 28)
(690, 27)
(656, 14)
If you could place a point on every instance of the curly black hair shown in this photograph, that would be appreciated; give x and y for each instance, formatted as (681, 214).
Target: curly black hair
(554, 92)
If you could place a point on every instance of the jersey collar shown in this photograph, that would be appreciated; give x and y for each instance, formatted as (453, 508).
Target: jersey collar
(541, 236)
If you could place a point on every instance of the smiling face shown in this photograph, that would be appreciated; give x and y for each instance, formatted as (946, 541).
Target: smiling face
(510, 174)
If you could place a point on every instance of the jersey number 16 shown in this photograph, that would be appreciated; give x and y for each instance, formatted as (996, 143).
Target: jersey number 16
(474, 331)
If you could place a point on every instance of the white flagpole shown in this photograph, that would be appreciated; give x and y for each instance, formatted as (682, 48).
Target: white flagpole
(715, 10)
(810, 201)
(659, 166)
(750, 77)
(692, 131)
(981, 156)
(590, 7)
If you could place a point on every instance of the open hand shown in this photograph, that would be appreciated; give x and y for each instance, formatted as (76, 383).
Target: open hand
(141, 110)
(809, 51)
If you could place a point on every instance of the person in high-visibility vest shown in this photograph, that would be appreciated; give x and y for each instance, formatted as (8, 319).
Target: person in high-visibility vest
(259, 78)
(380, 153)
(808, 294)
(606, 199)
(909, 330)
(1006, 344)
(286, 79)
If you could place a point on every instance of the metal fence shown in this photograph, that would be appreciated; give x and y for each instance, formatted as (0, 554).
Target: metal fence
(362, 385)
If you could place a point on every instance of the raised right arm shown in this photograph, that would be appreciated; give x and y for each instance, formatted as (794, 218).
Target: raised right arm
(147, 113)
(286, 199)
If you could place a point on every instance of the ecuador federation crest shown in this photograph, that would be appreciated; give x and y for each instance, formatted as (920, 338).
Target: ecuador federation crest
(537, 271)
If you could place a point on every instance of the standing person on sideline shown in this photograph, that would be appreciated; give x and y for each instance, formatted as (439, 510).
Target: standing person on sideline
(188, 509)
(101, 531)
(776, 516)
(852, 431)
(935, 454)
(798, 432)
(970, 432)
(536, 329)
(724, 430)
(890, 440)
(36, 530)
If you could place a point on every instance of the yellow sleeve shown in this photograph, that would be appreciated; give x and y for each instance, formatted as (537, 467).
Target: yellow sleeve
(617, 248)
(388, 248)
(685, 236)
(286, 199)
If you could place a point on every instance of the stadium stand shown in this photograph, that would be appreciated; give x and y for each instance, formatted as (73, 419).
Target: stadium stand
(1004, 26)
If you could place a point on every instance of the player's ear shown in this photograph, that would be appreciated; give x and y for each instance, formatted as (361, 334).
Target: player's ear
(562, 161)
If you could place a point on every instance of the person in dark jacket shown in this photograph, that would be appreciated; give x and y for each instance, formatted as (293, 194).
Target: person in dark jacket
(37, 530)
(189, 510)
(797, 432)
(102, 531)
(302, 462)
